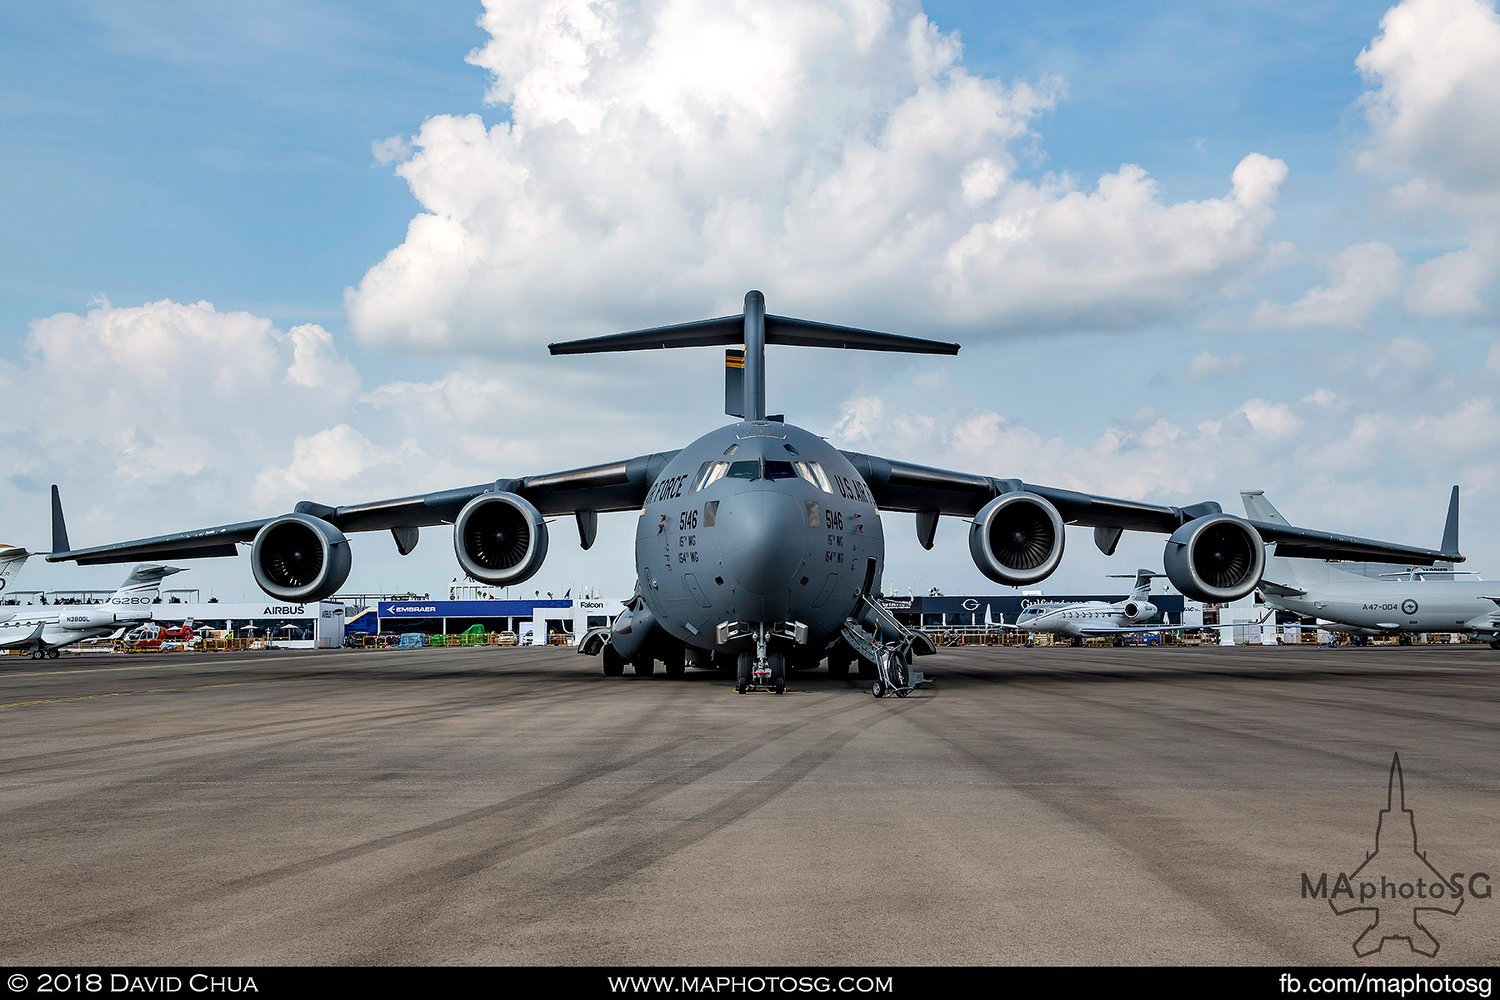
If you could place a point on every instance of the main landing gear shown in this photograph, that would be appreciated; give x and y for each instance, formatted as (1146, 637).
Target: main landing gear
(45, 654)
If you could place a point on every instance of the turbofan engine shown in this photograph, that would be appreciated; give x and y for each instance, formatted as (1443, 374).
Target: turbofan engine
(1216, 559)
(1016, 539)
(500, 539)
(82, 621)
(298, 557)
(1140, 611)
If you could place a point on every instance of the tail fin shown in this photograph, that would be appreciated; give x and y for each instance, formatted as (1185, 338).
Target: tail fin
(142, 586)
(1258, 508)
(11, 561)
(1143, 578)
(754, 329)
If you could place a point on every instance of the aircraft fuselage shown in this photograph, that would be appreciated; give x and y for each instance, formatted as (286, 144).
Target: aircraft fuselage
(1429, 606)
(757, 522)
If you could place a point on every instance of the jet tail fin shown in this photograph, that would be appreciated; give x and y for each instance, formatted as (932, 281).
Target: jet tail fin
(754, 329)
(11, 561)
(1259, 508)
(142, 586)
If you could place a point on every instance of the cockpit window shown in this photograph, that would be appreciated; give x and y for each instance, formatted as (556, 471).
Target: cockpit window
(779, 470)
(744, 470)
(710, 473)
(813, 473)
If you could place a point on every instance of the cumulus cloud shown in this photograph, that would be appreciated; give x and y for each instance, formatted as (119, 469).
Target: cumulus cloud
(1434, 114)
(1434, 106)
(1449, 285)
(1359, 278)
(659, 159)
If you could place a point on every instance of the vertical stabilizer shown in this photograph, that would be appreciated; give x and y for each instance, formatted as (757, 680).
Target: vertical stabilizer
(11, 561)
(142, 586)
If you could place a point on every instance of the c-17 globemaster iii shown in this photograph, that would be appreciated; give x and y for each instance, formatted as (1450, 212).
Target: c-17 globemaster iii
(759, 544)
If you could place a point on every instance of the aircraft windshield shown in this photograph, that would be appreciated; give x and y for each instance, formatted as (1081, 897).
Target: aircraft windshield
(711, 472)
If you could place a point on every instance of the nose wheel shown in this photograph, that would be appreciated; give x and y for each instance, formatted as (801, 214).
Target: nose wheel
(761, 673)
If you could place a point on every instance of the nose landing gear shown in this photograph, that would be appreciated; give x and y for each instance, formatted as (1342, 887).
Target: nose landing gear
(762, 670)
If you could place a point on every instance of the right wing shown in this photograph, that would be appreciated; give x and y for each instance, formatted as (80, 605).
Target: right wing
(586, 492)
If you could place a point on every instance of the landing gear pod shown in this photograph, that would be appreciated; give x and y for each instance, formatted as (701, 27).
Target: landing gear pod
(1017, 539)
(1216, 559)
(298, 557)
(500, 539)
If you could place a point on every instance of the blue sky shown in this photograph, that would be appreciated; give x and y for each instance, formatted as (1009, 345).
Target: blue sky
(1190, 248)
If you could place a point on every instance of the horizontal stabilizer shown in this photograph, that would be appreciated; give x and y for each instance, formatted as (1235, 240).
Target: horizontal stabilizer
(726, 331)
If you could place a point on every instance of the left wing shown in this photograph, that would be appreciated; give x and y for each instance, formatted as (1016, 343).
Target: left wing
(1016, 536)
(500, 531)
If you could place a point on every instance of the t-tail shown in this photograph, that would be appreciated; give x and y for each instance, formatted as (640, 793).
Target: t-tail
(142, 586)
(11, 561)
(747, 335)
(1143, 578)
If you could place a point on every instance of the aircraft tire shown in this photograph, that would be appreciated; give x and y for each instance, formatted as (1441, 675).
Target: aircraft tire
(614, 665)
(675, 663)
(778, 671)
(53, 654)
(37, 654)
(1077, 640)
(742, 672)
(645, 666)
(1495, 643)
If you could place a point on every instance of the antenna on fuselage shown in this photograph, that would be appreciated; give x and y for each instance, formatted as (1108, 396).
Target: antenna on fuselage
(753, 329)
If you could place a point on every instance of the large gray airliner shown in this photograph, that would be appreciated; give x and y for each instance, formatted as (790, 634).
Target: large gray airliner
(1402, 603)
(758, 543)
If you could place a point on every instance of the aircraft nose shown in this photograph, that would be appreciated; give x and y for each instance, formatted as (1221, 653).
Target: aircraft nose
(760, 536)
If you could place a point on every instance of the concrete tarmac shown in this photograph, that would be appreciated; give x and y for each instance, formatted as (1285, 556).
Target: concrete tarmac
(514, 806)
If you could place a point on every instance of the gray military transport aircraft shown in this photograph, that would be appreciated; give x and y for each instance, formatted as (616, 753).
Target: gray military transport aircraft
(1401, 604)
(759, 544)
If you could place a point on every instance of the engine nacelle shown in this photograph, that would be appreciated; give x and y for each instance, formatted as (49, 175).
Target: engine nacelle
(500, 539)
(1016, 539)
(1140, 611)
(298, 557)
(1216, 559)
(82, 621)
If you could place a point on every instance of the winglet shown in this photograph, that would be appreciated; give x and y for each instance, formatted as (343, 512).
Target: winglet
(59, 526)
(1450, 529)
